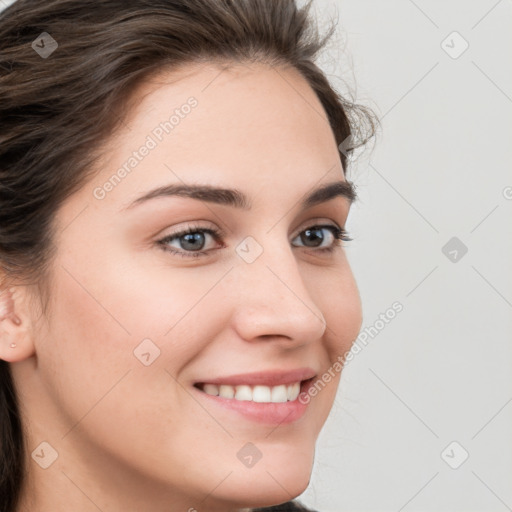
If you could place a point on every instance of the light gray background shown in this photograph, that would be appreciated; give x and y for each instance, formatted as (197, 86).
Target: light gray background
(441, 370)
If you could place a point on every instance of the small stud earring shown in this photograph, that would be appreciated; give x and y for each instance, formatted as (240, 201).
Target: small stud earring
(13, 345)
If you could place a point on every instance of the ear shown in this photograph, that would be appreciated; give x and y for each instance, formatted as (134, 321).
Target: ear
(16, 342)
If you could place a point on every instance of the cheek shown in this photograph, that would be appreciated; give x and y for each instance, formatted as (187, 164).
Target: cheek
(88, 346)
(106, 317)
(337, 296)
(147, 291)
(87, 363)
(132, 296)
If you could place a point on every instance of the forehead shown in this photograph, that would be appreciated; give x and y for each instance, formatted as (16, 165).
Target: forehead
(251, 126)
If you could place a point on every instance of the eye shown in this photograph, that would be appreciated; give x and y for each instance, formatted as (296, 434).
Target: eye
(313, 237)
(190, 242)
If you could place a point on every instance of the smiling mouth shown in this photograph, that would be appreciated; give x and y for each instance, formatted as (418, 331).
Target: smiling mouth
(258, 393)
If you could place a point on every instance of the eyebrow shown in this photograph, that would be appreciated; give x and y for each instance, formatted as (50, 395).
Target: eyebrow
(237, 199)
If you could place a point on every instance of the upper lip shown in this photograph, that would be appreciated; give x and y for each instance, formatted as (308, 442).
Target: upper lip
(267, 378)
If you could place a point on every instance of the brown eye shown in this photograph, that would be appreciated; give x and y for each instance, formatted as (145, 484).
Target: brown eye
(315, 237)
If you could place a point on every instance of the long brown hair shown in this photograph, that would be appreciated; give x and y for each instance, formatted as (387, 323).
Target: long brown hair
(60, 99)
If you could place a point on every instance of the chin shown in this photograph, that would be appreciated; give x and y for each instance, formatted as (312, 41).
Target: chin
(275, 481)
(267, 492)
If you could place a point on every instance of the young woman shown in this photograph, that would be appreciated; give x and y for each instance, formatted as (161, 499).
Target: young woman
(175, 296)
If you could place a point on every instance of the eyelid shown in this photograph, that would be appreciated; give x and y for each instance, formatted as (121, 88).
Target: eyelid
(195, 226)
(318, 221)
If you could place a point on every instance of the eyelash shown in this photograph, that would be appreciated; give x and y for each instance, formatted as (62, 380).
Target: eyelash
(339, 235)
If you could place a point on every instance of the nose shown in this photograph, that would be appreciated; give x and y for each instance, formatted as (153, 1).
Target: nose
(273, 302)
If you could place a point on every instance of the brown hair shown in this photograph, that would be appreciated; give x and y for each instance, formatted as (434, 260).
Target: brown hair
(57, 108)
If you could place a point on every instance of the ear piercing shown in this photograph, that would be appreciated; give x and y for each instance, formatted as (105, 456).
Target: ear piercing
(13, 345)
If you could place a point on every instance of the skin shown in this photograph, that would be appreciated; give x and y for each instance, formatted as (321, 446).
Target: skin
(131, 437)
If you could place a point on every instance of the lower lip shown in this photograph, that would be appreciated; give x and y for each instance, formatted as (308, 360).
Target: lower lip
(280, 413)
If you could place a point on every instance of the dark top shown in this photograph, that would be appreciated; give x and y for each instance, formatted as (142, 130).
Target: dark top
(289, 506)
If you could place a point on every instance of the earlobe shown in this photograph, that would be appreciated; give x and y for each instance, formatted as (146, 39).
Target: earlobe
(15, 344)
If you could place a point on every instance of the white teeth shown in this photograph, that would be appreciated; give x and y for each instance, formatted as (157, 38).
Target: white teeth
(292, 391)
(211, 389)
(279, 394)
(243, 393)
(262, 394)
(226, 391)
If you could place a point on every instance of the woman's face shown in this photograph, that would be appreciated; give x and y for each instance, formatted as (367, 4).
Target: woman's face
(139, 324)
